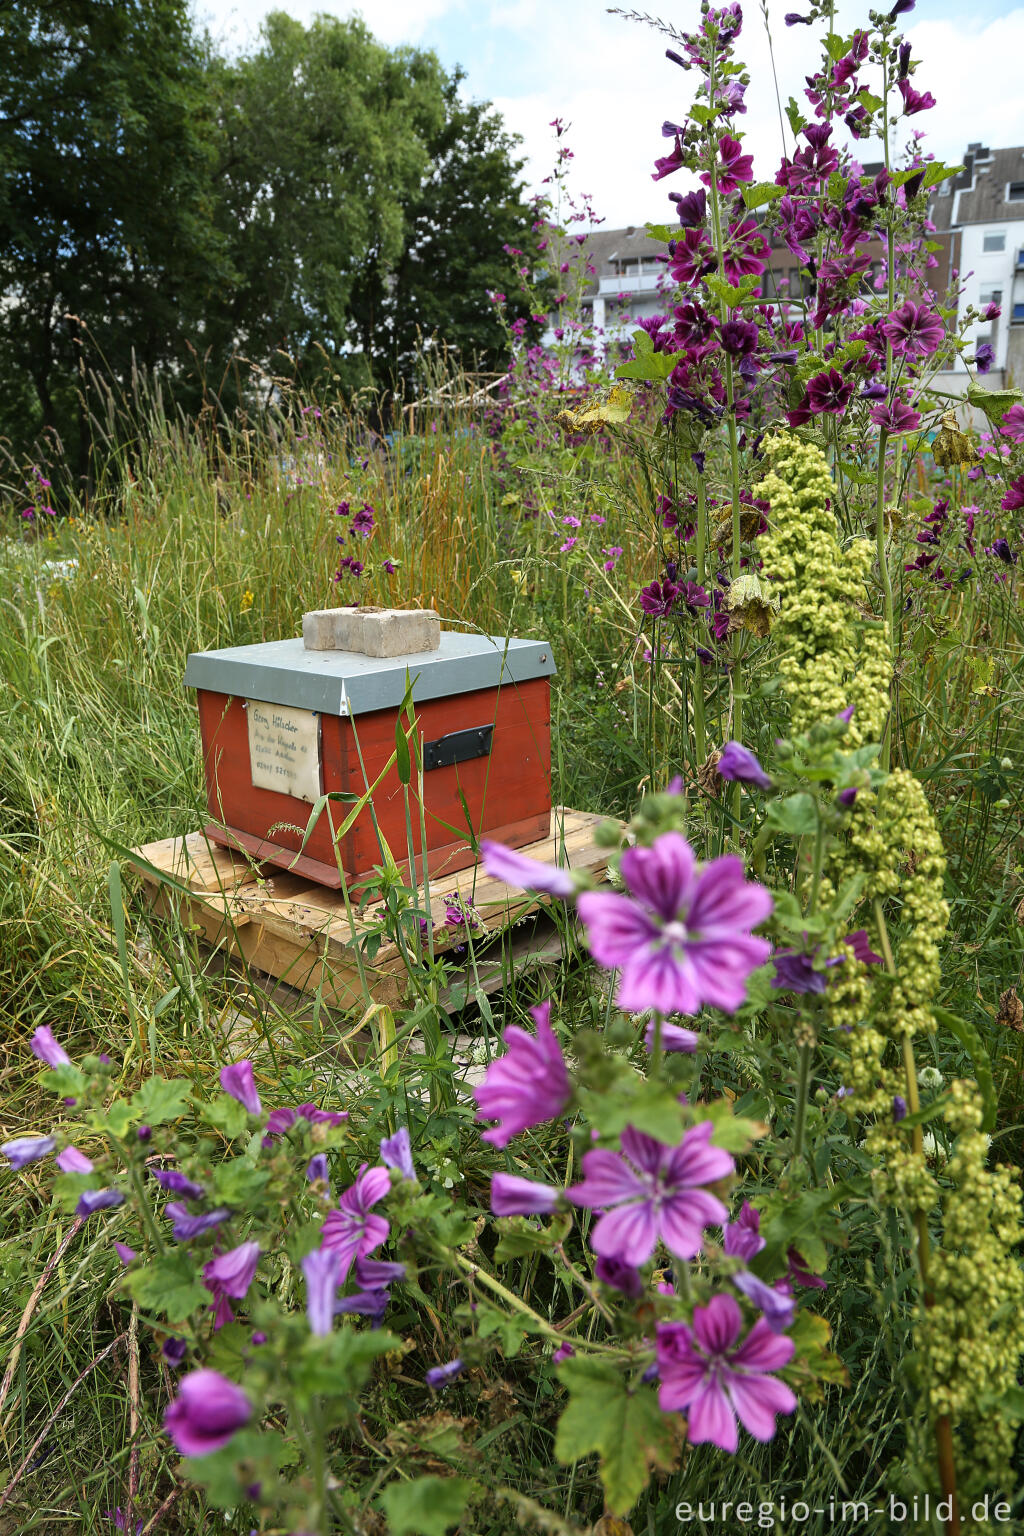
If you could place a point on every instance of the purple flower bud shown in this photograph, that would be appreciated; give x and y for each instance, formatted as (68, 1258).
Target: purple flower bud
(238, 1081)
(73, 1161)
(259, 1338)
(673, 1038)
(98, 1200)
(375, 1274)
(207, 1412)
(28, 1149)
(440, 1375)
(899, 1108)
(736, 763)
(144, 1132)
(775, 1301)
(901, 8)
(322, 1269)
(563, 1352)
(185, 1227)
(846, 797)
(619, 1276)
(174, 1351)
(513, 1196)
(124, 1253)
(317, 1169)
(742, 1237)
(48, 1049)
(173, 1180)
(396, 1152)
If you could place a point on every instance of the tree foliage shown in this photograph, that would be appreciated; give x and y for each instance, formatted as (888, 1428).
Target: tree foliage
(313, 208)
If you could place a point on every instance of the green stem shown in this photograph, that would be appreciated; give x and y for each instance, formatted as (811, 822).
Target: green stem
(802, 1084)
(883, 573)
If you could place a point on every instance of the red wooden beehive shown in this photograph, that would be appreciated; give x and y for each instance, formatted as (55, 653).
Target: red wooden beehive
(318, 721)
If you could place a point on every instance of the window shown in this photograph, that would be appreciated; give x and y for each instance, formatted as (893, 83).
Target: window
(1015, 192)
(990, 293)
(944, 188)
(994, 240)
(796, 286)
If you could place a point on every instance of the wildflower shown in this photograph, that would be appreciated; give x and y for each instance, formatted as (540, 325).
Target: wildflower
(247, 601)
(737, 764)
(512, 1196)
(692, 257)
(682, 937)
(673, 1038)
(363, 522)
(174, 1351)
(184, 1226)
(1013, 423)
(526, 1086)
(658, 598)
(746, 251)
(621, 1277)
(98, 1200)
(1014, 498)
(798, 1273)
(732, 168)
(440, 1375)
(396, 1152)
(1002, 551)
(28, 1149)
(390, 566)
(669, 163)
(281, 1120)
(238, 1081)
(914, 101)
(563, 1352)
(899, 1108)
(896, 418)
(48, 1049)
(740, 337)
(614, 552)
(651, 1191)
(775, 1302)
(230, 1274)
(206, 1413)
(124, 1253)
(173, 1180)
(351, 1229)
(829, 392)
(569, 544)
(317, 1170)
(914, 330)
(73, 1161)
(322, 1270)
(692, 208)
(526, 874)
(741, 1239)
(984, 356)
(704, 1371)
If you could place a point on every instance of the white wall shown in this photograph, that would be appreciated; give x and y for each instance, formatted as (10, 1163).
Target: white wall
(982, 271)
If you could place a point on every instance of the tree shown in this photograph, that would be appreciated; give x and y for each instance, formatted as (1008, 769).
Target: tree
(107, 247)
(463, 224)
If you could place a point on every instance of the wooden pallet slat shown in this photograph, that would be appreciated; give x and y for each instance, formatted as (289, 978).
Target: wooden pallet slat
(281, 924)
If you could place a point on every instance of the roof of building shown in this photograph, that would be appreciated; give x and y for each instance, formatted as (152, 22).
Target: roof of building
(982, 185)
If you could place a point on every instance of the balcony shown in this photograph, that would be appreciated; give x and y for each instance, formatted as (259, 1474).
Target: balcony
(630, 282)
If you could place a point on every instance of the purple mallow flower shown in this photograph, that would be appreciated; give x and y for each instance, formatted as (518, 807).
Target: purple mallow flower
(207, 1411)
(914, 330)
(899, 1108)
(73, 1161)
(682, 937)
(396, 1152)
(526, 1086)
(281, 1120)
(174, 1351)
(774, 1301)
(238, 1081)
(98, 1200)
(173, 1180)
(651, 1191)
(124, 1253)
(48, 1049)
(742, 1238)
(522, 872)
(351, 1230)
(322, 1269)
(440, 1375)
(707, 1373)
(185, 1226)
(673, 1038)
(316, 1168)
(230, 1275)
(625, 1278)
(736, 763)
(513, 1196)
(27, 1149)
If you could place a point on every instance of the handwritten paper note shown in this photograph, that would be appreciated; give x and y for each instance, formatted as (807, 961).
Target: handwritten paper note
(284, 750)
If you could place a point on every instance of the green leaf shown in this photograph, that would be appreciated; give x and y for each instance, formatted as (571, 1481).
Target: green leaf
(732, 1132)
(633, 1100)
(237, 1182)
(161, 1099)
(339, 1365)
(646, 363)
(973, 1045)
(937, 172)
(168, 1287)
(511, 1327)
(789, 914)
(762, 192)
(626, 1428)
(517, 1240)
(662, 232)
(226, 1115)
(117, 1119)
(796, 814)
(68, 1081)
(252, 1456)
(795, 116)
(402, 753)
(837, 46)
(426, 1506)
(994, 402)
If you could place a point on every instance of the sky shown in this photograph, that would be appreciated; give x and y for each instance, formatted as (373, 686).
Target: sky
(609, 79)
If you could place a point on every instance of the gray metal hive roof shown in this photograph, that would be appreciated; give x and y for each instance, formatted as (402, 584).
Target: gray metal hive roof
(347, 683)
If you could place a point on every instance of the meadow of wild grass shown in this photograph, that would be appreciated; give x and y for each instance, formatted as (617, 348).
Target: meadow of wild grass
(780, 579)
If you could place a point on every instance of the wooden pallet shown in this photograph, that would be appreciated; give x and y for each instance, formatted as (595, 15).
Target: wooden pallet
(288, 928)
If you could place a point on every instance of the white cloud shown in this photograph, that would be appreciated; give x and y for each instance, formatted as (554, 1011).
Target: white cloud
(392, 21)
